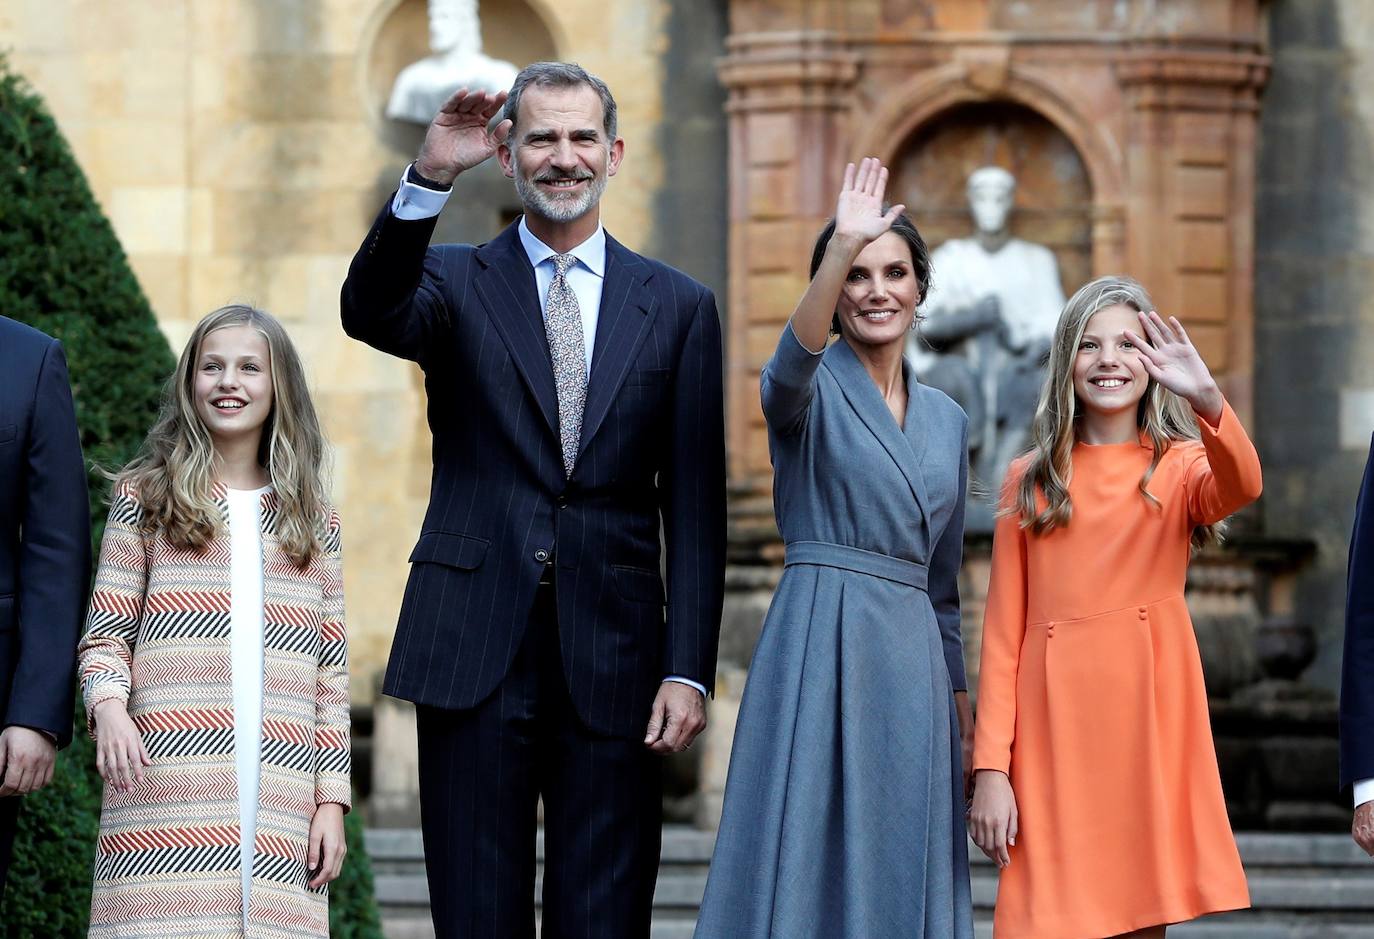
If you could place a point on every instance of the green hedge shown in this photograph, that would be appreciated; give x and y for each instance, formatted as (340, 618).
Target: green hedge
(63, 271)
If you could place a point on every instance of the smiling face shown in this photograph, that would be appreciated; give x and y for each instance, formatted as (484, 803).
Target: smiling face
(880, 293)
(233, 383)
(562, 159)
(1107, 375)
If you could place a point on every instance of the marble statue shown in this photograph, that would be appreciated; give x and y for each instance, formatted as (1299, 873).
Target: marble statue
(455, 36)
(989, 320)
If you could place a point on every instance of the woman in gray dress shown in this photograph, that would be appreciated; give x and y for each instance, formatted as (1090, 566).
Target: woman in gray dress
(844, 810)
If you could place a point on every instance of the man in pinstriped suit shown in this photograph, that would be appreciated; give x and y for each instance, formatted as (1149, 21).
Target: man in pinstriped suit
(575, 398)
(45, 565)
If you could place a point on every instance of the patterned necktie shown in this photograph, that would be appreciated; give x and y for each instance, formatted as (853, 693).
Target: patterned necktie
(563, 323)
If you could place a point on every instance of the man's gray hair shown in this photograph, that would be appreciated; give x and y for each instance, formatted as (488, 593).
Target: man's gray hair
(559, 75)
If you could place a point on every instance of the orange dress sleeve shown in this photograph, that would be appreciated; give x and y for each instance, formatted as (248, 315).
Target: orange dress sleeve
(1225, 476)
(1004, 626)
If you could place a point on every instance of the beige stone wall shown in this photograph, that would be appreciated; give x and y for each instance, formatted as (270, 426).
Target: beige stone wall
(235, 146)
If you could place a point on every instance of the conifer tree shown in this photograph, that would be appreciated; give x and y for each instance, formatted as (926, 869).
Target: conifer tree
(62, 270)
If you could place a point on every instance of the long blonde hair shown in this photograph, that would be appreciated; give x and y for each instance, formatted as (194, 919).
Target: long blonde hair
(172, 477)
(1162, 416)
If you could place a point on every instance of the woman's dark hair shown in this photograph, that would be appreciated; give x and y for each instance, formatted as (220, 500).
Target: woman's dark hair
(904, 226)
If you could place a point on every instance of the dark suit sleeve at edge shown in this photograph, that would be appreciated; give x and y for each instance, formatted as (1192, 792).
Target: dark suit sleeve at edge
(1357, 667)
(54, 559)
(693, 502)
(389, 299)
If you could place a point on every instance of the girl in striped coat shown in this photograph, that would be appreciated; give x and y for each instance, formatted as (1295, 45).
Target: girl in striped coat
(214, 664)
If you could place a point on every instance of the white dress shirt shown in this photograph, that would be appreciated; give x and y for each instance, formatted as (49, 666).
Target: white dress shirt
(1364, 791)
(245, 654)
(585, 278)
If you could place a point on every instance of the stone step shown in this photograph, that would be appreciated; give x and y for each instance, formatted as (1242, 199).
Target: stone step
(1268, 892)
(673, 891)
(1210, 928)
(1303, 886)
(682, 844)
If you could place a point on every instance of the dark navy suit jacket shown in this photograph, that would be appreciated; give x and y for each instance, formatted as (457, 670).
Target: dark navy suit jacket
(652, 451)
(45, 533)
(1357, 669)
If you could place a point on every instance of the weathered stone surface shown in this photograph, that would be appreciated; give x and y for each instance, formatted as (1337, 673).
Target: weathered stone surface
(237, 148)
(1314, 276)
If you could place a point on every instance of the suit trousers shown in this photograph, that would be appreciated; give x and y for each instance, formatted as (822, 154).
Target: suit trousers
(9, 821)
(482, 772)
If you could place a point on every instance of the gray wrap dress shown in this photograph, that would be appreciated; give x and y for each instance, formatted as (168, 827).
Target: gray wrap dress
(843, 813)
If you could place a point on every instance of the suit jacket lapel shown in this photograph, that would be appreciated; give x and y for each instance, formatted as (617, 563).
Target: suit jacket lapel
(627, 313)
(506, 288)
(864, 398)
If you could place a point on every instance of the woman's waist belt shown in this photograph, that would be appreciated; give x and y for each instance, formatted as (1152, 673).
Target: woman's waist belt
(847, 558)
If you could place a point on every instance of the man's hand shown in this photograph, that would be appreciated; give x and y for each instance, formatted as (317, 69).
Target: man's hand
(1363, 827)
(679, 714)
(327, 849)
(457, 139)
(27, 758)
(119, 751)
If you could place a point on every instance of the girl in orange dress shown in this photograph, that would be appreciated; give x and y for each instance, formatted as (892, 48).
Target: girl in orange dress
(1097, 791)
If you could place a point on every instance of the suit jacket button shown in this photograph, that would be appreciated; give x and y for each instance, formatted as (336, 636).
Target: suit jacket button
(541, 556)
(562, 502)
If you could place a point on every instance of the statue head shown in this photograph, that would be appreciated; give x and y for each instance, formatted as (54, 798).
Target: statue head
(453, 26)
(990, 193)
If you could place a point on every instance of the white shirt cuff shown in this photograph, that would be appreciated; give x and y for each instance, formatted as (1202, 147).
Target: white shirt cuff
(413, 202)
(1364, 791)
(697, 685)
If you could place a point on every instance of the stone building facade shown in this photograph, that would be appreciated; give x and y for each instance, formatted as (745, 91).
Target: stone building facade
(239, 148)
(1219, 150)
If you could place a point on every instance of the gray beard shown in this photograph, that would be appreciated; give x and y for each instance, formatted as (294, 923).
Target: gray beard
(555, 208)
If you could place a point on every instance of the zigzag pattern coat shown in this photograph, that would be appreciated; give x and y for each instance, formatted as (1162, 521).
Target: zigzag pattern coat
(157, 636)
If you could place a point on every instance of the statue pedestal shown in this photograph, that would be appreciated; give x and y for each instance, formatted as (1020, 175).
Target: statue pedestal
(716, 742)
(395, 800)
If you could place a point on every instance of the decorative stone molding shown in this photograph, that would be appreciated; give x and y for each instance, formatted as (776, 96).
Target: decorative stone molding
(801, 69)
(965, 80)
(1165, 77)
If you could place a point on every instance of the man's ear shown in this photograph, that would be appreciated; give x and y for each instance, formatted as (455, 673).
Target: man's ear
(506, 155)
(616, 155)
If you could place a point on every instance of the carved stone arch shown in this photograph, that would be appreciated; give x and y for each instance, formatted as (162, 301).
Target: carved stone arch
(937, 91)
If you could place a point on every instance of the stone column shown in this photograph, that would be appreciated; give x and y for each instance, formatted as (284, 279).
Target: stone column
(1191, 116)
(789, 96)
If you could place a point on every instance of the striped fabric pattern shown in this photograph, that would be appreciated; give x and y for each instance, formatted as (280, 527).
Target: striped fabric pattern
(157, 637)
